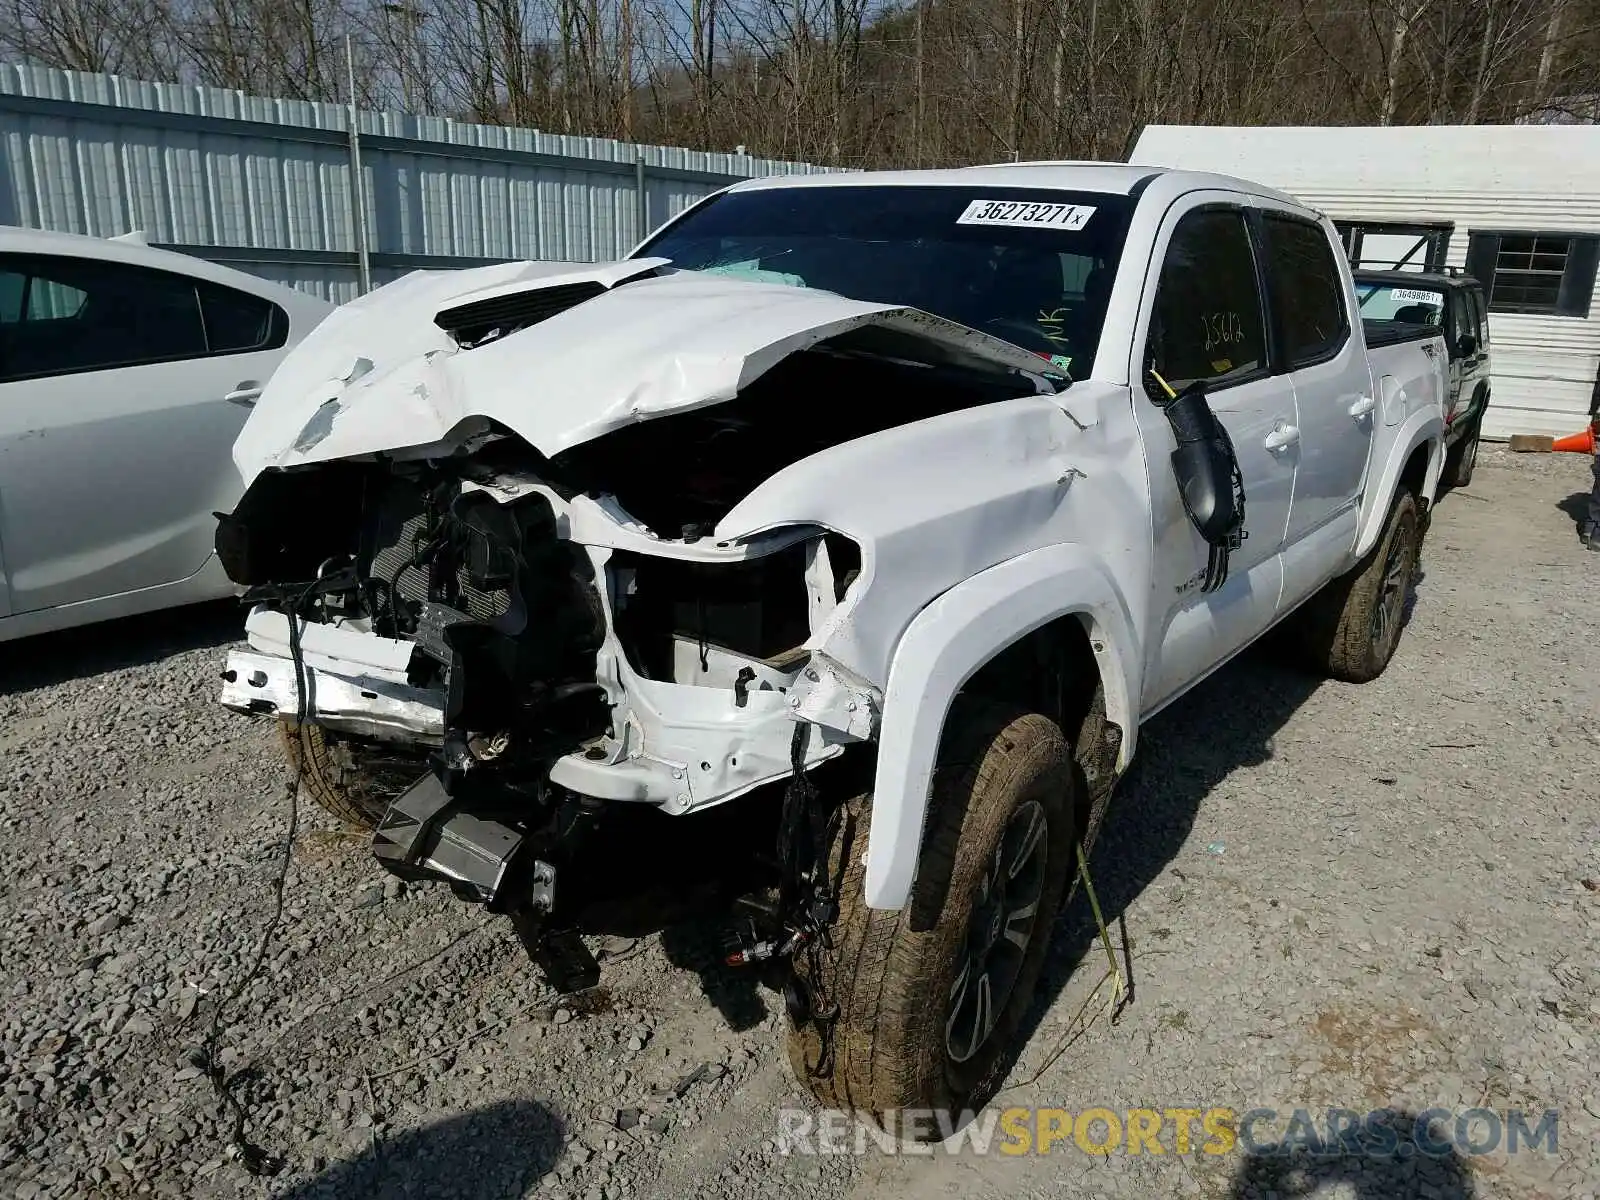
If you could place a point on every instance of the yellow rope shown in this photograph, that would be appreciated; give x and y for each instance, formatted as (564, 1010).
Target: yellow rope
(1078, 1025)
(1115, 972)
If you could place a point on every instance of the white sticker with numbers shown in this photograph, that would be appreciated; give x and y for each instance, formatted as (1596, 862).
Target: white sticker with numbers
(1026, 214)
(1414, 296)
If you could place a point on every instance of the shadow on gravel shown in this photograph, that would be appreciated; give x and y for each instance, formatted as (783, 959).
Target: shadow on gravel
(735, 992)
(1389, 1167)
(1226, 723)
(1576, 506)
(52, 658)
(487, 1154)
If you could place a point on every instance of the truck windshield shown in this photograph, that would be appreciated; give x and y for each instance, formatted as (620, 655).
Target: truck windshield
(1400, 302)
(1033, 267)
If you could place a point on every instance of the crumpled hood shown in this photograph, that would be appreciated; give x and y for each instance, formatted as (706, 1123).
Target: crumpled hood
(380, 375)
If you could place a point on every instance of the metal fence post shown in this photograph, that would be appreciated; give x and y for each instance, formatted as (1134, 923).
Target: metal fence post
(358, 199)
(641, 200)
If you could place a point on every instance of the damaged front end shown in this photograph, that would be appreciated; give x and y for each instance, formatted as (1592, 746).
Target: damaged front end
(530, 601)
(541, 654)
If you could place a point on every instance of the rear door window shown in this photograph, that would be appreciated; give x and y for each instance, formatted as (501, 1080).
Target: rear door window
(1207, 321)
(1307, 290)
(237, 322)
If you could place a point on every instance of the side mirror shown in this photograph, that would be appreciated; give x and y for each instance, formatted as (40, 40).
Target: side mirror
(1205, 466)
(1466, 346)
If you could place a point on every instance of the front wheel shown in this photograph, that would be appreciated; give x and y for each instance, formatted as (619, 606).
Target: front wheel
(1354, 625)
(927, 1001)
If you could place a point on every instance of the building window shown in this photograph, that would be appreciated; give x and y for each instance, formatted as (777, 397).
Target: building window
(1550, 274)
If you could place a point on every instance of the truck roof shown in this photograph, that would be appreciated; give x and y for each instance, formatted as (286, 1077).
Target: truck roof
(1437, 279)
(1068, 176)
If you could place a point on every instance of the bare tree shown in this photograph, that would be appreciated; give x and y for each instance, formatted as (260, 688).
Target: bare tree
(859, 82)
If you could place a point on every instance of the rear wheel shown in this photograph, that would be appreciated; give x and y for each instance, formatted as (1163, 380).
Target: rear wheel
(929, 999)
(352, 778)
(1354, 626)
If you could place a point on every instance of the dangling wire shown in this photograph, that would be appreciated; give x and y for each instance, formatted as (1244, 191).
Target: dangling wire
(255, 1160)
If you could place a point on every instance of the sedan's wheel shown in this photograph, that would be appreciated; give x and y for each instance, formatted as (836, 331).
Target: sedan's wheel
(1355, 625)
(925, 1002)
(352, 778)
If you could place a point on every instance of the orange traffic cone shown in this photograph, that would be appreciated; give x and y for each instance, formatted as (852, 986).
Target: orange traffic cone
(1579, 443)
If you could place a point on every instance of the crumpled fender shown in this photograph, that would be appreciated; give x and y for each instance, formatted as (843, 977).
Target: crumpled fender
(944, 646)
(1416, 429)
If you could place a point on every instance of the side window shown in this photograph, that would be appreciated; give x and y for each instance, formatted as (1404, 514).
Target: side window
(1460, 318)
(24, 297)
(1207, 321)
(76, 314)
(13, 293)
(237, 321)
(1482, 316)
(1307, 290)
(63, 315)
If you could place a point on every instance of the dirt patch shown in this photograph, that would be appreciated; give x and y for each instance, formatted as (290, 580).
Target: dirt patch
(1372, 1048)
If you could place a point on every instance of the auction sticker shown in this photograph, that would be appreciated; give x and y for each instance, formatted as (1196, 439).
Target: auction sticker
(1025, 214)
(1416, 296)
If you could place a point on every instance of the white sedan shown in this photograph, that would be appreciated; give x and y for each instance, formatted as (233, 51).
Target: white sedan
(126, 372)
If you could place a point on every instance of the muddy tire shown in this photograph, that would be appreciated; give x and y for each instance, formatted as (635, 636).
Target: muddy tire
(1462, 458)
(352, 779)
(912, 1030)
(1355, 624)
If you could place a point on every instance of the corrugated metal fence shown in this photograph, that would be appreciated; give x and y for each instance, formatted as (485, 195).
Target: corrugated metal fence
(264, 185)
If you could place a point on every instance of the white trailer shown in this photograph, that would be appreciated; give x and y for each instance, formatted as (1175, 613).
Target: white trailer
(1516, 205)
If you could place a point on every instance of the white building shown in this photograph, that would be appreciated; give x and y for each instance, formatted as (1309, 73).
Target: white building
(1516, 205)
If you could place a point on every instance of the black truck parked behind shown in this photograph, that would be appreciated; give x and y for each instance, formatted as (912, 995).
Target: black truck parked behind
(1393, 303)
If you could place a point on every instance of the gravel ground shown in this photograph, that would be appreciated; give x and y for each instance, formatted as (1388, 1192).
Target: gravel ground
(1366, 897)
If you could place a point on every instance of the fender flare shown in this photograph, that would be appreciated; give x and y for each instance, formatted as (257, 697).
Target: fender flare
(944, 646)
(1419, 428)
(1480, 403)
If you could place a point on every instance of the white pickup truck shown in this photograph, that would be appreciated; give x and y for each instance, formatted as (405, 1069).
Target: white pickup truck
(885, 505)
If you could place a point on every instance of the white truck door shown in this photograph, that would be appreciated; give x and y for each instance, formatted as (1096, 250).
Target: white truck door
(1327, 363)
(116, 425)
(1207, 321)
